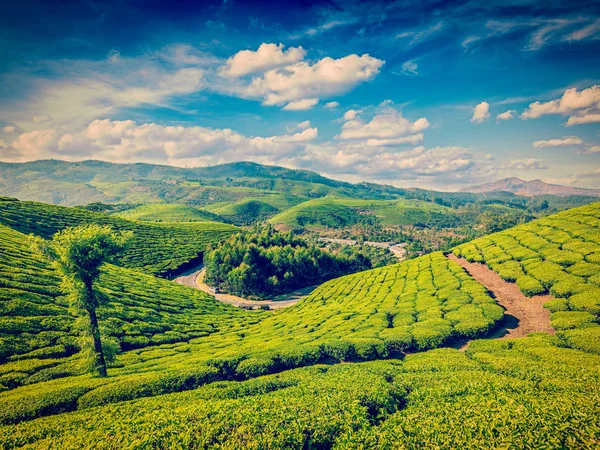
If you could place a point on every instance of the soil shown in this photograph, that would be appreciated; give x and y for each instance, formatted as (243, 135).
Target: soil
(523, 315)
(195, 278)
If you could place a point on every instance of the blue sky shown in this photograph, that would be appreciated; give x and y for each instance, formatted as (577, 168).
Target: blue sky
(429, 94)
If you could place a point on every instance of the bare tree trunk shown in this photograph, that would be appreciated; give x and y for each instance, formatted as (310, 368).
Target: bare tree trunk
(99, 360)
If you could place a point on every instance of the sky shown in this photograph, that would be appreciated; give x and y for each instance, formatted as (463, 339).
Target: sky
(428, 94)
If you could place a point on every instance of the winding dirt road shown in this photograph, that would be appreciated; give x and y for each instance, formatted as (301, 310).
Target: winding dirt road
(195, 278)
(523, 315)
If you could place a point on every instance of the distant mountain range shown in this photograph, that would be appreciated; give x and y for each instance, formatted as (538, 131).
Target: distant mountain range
(530, 188)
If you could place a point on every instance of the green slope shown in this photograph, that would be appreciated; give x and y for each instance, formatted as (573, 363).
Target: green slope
(37, 334)
(155, 248)
(244, 212)
(559, 254)
(337, 212)
(502, 393)
(164, 212)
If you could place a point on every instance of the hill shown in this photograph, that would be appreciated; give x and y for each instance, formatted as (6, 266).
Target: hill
(158, 249)
(336, 212)
(532, 391)
(165, 212)
(531, 188)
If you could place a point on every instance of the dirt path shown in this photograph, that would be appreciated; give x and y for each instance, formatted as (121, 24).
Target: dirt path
(523, 315)
(195, 278)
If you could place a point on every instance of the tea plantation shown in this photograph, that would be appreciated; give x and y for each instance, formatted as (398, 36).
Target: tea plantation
(156, 249)
(559, 254)
(194, 373)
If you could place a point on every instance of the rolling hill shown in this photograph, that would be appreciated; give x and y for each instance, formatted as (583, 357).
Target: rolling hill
(531, 188)
(158, 249)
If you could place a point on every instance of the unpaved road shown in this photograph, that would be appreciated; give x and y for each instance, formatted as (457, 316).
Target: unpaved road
(194, 278)
(524, 315)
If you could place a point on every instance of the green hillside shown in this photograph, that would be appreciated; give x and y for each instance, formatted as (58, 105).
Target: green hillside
(165, 212)
(337, 212)
(155, 248)
(244, 212)
(37, 335)
(559, 254)
(269, 379)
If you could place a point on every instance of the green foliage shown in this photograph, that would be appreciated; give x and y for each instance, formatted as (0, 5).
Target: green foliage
(166, 212)
(267, 263)
(502, 394)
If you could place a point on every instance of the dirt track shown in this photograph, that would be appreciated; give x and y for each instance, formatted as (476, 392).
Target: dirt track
(523, 315)
(194, 278)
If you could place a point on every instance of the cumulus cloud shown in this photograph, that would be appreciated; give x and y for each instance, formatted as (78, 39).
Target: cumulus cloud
(8, 129)
(331, 105)
(389, 124)
(302, 80)
(565, 141)
(301, 105)
(507, 115)
(582, 106)
(126, 141)
(481, 112)
(524, 164)
(304, 125)
(268, 56)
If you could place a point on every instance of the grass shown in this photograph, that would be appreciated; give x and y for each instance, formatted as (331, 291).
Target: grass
(157, 249)
(559, 255)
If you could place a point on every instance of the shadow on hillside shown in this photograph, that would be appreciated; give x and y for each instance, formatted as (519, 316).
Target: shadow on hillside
(508, 322)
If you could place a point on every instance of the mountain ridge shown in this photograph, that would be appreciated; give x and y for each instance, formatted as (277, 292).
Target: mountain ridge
(530, 188)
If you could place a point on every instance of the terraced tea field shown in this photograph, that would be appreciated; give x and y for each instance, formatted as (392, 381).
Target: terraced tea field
(261, 379)
(155, 248)
(559, 255)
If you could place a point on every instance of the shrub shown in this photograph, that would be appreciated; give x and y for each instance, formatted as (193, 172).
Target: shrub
(565, 320)
(587, 301)
(530, 286)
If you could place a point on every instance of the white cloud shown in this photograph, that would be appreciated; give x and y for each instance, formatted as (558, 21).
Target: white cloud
(126, 141)
(301, 81)
(350, 114)
(389, 124)
(565, 141)
(419, 36)
(331, 105)
(591, 31)
(584, 118)
(41, 118)
(583, 106)
(481, 112)
(524, 164)
(413, 139)
(8, 129)
(507, 115)
(301, 105)
(268, 56)
(304, 125)
(548, 31)
(591, 150)
(77, 91)
(307, 135)
(410, 68)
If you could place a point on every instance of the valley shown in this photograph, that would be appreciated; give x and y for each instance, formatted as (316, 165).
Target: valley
(502, 330)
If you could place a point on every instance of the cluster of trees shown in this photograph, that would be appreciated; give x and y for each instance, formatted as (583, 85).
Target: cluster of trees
(265, 263)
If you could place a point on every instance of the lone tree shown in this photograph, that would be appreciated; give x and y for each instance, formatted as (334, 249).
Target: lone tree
(78, 253)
